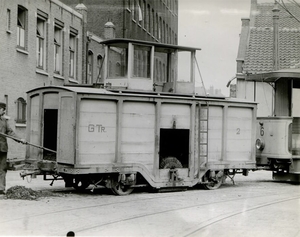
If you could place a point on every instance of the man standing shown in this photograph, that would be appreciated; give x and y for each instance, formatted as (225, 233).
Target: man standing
(4, 128)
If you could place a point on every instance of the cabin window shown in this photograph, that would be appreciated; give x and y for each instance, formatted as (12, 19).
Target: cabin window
(184, 71)
(118, 60)
(160, 67)
(142, 61)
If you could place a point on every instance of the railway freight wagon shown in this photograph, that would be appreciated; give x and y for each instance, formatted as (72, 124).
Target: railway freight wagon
(140, 124)
(126, 140)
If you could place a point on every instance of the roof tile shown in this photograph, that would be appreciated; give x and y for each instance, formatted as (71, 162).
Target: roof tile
(259, 54)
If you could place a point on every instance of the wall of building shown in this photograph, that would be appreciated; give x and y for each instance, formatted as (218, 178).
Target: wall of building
(18, 65)
(132, 18)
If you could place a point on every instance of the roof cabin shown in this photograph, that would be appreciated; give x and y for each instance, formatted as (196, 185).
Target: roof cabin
(141, 66)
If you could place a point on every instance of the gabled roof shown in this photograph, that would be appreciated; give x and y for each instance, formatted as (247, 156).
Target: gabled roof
(259, 53)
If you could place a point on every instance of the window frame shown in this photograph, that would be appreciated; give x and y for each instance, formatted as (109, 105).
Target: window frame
(21, 111)
(41, 37)
(73, 53)
(22, 18)
(8, 20)
(90, 66)
(58, 47)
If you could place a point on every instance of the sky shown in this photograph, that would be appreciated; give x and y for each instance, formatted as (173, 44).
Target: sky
(214, 26)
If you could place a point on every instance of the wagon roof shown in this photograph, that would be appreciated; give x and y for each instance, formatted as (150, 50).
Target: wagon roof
(163, 47)
(77, 89)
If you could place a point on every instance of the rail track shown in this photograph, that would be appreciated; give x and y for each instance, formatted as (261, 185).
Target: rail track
(190, 213)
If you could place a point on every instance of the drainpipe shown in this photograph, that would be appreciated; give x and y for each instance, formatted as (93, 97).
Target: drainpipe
(82, 9)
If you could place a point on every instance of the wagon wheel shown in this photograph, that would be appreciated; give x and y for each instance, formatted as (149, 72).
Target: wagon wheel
(81, 184)
(215, 182)
(170, 163)
(120, 189)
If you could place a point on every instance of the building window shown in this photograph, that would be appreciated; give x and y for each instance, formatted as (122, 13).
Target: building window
(148, 18)
(21, 110)
(72, 54)
(145, 14)
(164, 32)
(127, 4)
(133, 9)
(8, 19)
(40, 41)
(99, 67)
(22, 27)
(167, 34)
(160, 29)
(90, 66)
(58, 41)
(153, 23)
(141, 15)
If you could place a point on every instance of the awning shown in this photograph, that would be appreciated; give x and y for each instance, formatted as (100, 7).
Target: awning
(291, 73)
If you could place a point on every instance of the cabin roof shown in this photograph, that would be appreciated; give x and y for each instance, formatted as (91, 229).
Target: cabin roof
(162, 47)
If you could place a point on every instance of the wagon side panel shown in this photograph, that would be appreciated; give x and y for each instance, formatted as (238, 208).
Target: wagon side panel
(239, 137)
(97, 132)
(138, 133)
(215, 133)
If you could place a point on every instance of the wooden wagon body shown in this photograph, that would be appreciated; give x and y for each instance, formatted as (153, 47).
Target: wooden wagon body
(170, 140)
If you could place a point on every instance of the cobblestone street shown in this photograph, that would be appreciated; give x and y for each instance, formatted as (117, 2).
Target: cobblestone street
(254, 206)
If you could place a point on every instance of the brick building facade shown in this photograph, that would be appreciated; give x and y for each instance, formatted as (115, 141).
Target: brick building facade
(42, 43)
(149, 20)
(54, 42)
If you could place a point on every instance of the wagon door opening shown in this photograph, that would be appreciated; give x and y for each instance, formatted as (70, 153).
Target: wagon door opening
(174, 143)
(50, 133)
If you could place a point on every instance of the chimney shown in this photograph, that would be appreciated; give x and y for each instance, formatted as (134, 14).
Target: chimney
(109, 30)
(243, 44)
(82, 9)
(253, 12)
(275, 37)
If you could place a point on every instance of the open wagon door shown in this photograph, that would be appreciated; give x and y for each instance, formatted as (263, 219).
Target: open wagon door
(66, 128)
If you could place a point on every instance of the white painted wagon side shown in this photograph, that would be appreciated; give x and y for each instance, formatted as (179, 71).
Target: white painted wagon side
(137, 134)
(96, 137)
(105, 133)
(230, 136)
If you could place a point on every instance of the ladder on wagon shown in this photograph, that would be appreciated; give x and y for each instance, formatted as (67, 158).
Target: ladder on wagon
(203, 135)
